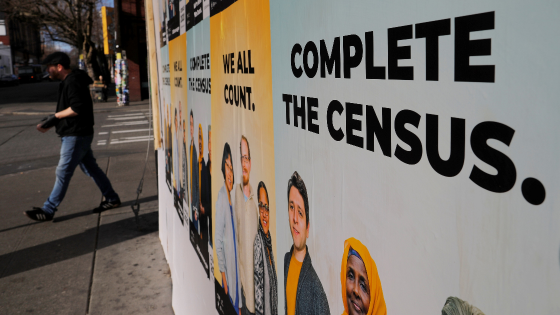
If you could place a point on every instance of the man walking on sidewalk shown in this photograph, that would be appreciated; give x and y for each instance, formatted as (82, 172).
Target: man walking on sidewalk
(74, 124)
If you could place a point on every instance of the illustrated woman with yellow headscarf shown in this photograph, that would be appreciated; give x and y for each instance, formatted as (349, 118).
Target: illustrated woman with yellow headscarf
(361, 286)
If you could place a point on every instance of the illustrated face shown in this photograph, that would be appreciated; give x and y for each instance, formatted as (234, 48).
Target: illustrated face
(357, 287)
(192, 127)
(229, 174)
(245, 162)
(296, 212)
(264, 211)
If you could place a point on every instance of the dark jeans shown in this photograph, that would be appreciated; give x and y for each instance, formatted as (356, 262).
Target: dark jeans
(76, 150)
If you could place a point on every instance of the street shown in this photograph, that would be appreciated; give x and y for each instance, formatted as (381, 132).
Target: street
(81, 263)
(23, 148)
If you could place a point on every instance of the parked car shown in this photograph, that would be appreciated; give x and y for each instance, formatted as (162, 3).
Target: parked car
(31, 73)
(9, 80)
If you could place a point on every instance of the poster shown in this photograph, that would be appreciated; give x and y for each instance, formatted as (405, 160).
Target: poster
(198, 146)
(178, 76)
(374, 157)
(409, 126)
(163, 6)
(243, 141)
(176, 24)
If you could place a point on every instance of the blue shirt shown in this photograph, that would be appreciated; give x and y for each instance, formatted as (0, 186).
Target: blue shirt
(236, 303)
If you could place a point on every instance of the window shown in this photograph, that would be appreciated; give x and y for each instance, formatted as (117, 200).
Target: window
(2, 28)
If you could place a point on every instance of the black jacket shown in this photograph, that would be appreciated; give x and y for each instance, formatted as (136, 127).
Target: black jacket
(74, 92)
(310, 296)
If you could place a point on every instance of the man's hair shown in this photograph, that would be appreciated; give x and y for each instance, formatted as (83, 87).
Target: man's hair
(227, 152)
(297, 182)
(192, 114)
(262, 185)
(175, 112)
(57, 58)
(248, 149)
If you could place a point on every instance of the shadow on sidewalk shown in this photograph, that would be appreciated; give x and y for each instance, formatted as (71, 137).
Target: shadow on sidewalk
(79, 244)
(88, 212)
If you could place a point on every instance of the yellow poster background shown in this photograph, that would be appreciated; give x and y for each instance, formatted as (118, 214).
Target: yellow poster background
(243, 26)
(178, 78)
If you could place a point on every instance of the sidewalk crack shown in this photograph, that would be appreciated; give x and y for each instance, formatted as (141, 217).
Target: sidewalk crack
(88, 305)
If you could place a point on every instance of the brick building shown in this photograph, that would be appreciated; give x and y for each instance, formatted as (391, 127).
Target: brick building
(132, 24)
(23, 39)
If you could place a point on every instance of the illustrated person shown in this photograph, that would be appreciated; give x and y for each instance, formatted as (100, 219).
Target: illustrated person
(203, 221)
(226, 240)
(166, 148)
(184, 192)
(169, 146)
(74, 124)
(361, 287)
(178, 142)
(194, 176)
(171, 9)
(162, 124)
(456, 306)
(176, 159)
(304, 292)
(266, 282)
(207, 201)
(247, 221)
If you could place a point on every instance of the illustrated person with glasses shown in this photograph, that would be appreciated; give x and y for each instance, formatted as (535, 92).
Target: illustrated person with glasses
(247, 221)
(266, 283)
(226, 240)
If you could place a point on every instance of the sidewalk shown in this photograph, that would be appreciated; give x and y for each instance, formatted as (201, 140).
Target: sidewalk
(83, 263)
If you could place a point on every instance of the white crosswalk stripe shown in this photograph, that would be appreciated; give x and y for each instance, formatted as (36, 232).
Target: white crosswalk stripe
(127, 118)
(129, 123)
(123, 136)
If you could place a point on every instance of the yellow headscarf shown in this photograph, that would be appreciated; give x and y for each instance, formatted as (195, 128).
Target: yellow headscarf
(377, 302)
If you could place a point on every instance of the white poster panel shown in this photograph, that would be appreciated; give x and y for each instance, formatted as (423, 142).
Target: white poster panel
(428, 132)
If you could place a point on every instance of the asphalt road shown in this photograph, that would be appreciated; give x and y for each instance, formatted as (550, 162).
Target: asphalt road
(118, 131)
(40, 92)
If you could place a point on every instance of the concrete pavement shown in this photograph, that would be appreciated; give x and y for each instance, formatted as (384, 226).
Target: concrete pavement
(81, 263)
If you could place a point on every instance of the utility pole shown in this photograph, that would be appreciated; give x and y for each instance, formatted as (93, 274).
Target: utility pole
(117, 21)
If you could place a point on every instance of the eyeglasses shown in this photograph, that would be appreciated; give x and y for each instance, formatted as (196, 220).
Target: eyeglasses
(264, 206)
(245, 159)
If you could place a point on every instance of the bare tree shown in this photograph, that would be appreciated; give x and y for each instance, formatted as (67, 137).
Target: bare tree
(69, 21)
